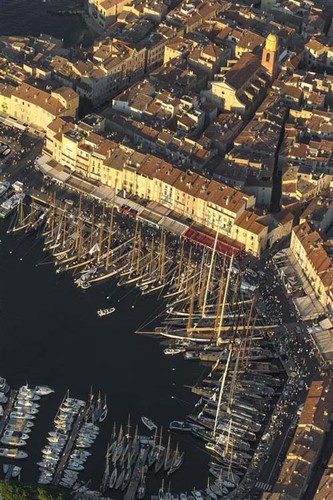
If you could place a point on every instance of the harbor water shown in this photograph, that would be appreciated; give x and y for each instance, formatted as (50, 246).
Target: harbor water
(24, 18)
(51, 334)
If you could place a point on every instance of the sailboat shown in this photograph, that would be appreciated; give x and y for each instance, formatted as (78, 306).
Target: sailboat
(177, 461)
(160, 454)
(104, 411)
(141, 491)
(127, 475)
(106, 474)
(120, 478)
(168, 456)
(113, 477)
(161, 495)
(152, 455)
(148, 423)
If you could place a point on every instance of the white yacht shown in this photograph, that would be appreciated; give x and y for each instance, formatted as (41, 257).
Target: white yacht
(13, 441)
(12, 453)
(22, 415)
(105, 312)
(43, 390)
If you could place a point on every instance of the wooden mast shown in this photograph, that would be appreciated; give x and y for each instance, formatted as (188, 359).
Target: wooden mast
(202, 286)
(162, 260)
(78, 225)
(109, 239)
(188, 267)
(100, 238)
(224, 377)
(219, 299)
(209, 275)
(92, 227)
(151, 260)
(218, 339)
(247, 331)
(189, 320)
(180, 264)
(134, 243)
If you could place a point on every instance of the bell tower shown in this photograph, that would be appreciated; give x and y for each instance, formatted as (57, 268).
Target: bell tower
(270, 56)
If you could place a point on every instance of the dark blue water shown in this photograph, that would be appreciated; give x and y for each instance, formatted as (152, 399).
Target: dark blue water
(50, 334)
(31, 17)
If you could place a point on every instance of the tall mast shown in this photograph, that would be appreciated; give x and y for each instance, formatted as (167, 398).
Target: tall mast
(218, 340)
(78, 225)
(188, 268)
(64, 234)
(189, 320)
(80, 238)
(209, 275)
(151, 260)
(162, 262)
(53, 216)
(129, 425)
(219, 299)
(247, 331)
(100, 239)
(221, 392)
(233, 382)
(228, 440)
(92, 227)
(134, 243)
(203, 280)
(180, 265)
(109, 239)
(138, 254)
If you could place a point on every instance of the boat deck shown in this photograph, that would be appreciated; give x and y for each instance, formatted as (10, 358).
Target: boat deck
(136, 476)
(69, 446)
(8, 409)
(9, 472)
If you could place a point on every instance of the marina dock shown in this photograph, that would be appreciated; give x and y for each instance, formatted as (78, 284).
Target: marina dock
(9, 473)
(68, 448)
(136, 476)
(8, 409)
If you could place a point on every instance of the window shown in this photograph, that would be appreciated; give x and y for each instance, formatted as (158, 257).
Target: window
(268, 57)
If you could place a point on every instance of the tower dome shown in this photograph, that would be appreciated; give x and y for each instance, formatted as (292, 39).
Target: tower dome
(272, 43)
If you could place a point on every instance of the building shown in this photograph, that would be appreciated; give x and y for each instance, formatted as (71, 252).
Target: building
(105, 12)
(314, 255)
(270, 55)
(325, 487)
(304, 451)
(208, 203)
(318, 55)
(35, 107)
(243, 83)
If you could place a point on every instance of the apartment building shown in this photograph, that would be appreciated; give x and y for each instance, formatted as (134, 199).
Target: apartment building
(36, 107)
(192, 196)
(314, 255)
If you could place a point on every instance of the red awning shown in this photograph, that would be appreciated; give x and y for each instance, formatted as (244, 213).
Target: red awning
(208, 241)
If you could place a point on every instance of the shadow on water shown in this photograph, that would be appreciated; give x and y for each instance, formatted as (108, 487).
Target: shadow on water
(51, 334)
(24, 18)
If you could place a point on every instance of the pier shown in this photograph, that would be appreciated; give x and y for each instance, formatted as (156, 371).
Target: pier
(8, 409)
(69, 445)
(136, 476)
(9, 473)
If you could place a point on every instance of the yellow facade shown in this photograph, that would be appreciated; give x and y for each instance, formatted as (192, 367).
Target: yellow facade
(33, 106)
(186, 194)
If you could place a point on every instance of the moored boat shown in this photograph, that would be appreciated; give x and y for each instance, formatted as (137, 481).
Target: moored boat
(105, 312)
(148, 423)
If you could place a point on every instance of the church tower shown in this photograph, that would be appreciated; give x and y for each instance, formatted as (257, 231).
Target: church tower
(270, 56)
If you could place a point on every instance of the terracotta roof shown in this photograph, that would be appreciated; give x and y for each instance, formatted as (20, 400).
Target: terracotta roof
(39, 98)
(242, 71)
(249, 222)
